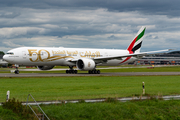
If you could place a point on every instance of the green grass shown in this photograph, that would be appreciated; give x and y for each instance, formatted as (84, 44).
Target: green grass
(155, 69)
(132, 110)
(68, 88)
(6, 114)
(140, 110)
(64, 88)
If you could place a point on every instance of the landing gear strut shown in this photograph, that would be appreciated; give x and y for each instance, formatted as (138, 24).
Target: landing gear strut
(16, 71)
(71, 71)
(94, 71)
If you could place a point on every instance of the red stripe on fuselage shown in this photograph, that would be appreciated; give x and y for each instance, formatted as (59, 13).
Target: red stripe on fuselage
(130, 50)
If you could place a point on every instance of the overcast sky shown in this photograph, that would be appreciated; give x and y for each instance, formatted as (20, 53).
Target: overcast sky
(89, 23)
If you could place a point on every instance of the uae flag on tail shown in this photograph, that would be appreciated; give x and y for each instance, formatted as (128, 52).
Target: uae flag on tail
(135, 45)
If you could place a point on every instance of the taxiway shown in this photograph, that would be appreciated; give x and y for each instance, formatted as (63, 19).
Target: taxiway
(86, 74)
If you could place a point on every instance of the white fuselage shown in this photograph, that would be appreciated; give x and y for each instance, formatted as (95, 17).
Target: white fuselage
(38, 56)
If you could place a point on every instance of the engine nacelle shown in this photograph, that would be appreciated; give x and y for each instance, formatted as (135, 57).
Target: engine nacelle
(85, 64)
(45, 67)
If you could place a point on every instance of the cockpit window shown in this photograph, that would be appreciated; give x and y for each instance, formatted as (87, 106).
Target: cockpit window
(10, 53)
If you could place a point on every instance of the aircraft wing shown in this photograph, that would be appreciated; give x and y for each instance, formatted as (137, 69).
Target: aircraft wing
(125, 55)
(132, 55)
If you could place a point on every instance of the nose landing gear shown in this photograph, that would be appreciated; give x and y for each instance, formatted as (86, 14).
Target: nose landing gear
(16, 71)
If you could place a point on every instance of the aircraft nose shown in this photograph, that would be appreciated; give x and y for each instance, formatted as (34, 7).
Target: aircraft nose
(7, 58)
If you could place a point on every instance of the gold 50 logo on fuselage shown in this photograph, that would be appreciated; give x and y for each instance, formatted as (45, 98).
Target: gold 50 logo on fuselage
(43, 56)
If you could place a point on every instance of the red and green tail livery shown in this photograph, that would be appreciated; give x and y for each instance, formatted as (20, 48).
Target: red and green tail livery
(135, 45)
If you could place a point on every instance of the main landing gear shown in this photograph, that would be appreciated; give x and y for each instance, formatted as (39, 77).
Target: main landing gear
(71, 71)
(94, 71)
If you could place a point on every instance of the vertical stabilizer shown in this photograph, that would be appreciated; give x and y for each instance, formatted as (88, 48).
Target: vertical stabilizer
(135, 45)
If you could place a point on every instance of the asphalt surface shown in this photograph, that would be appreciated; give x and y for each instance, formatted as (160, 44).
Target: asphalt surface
(86, 74)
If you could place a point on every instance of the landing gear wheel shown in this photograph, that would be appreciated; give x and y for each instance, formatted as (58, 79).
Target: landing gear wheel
(94, 72)
(16, 71)
(71, 71)
(98, 72)
(75, 71)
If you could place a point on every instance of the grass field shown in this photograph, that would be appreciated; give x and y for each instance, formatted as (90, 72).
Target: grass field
(140, 110)
(6, 114)
(66, 88)
(132, 110)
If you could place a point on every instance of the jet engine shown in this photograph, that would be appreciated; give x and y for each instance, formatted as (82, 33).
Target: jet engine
(85, 64)
(45, 67)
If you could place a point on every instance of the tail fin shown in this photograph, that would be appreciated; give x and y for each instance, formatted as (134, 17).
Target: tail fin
(135, 45)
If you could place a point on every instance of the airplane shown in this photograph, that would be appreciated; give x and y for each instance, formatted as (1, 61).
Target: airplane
(45, 58)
